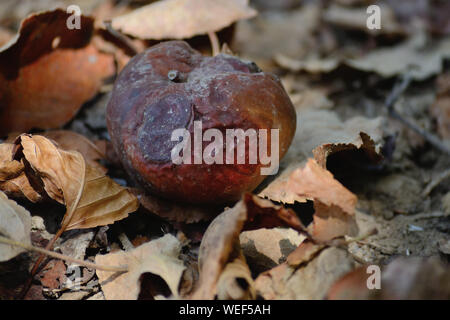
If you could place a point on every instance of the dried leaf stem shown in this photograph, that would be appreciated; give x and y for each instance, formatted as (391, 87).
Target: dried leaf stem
(62, 257)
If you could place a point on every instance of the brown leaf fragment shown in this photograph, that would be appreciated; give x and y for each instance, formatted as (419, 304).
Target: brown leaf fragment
(352, 286)
(236, 282)
(36, 38)
(9, 168)
(181, 19)
(304, 253)
(15, 224)
(54, 275)
(334, 205)
(216, 247)
(48, 72)
(265, 248)
(158, 257)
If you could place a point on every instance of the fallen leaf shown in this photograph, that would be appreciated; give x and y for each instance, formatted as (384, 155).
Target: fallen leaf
(311, 281)
(42, 86)
(321, 133)
(158, 257)
(69, 140)
(235, 281)
(265, 248)
(352, 286)
(182, 19)
(15, 224)
(91, 198)
(334, 205)
(304, 253)
(54, 275)
(222, 235)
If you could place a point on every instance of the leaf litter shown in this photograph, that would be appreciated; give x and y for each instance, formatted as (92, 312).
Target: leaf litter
(305, 233)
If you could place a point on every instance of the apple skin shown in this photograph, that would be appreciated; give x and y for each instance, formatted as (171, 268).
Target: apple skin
(223, 92)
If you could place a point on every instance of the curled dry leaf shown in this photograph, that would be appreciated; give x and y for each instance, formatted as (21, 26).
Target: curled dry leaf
(15, 224)
(159, 257)
(13, 180)
(91, 198)
(182, 19)
(334, 205)
(236, 282)
(69, 140)
(49, 72)
(320, 134)
(222, 235)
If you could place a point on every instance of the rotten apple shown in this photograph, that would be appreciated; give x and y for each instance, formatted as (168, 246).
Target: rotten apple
(178, 119)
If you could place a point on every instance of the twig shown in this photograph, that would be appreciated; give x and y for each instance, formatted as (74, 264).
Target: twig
(214, 43)
(391, 100)
(62, 257)
(121, 37)
(435, 182)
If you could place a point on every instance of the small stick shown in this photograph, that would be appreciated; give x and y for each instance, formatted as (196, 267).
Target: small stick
(214, 43)
(435, 182)
(396, 93)
(62, 257)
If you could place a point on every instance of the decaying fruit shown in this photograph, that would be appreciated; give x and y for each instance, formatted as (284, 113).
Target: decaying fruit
(172, 86)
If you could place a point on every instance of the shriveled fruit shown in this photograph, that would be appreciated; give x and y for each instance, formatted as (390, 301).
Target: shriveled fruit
(171, 86)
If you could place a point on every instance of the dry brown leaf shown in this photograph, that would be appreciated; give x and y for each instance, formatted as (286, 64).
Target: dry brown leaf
(43, 85)
(266, 248)
(236, 282)
(304, 253)
(319, 134)
(334, 205)
(310, 281)
(159, 257)
(69, 140)
(182, 19)
(9, 168)
(222, 235)
(91, 198)
(15, 224)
